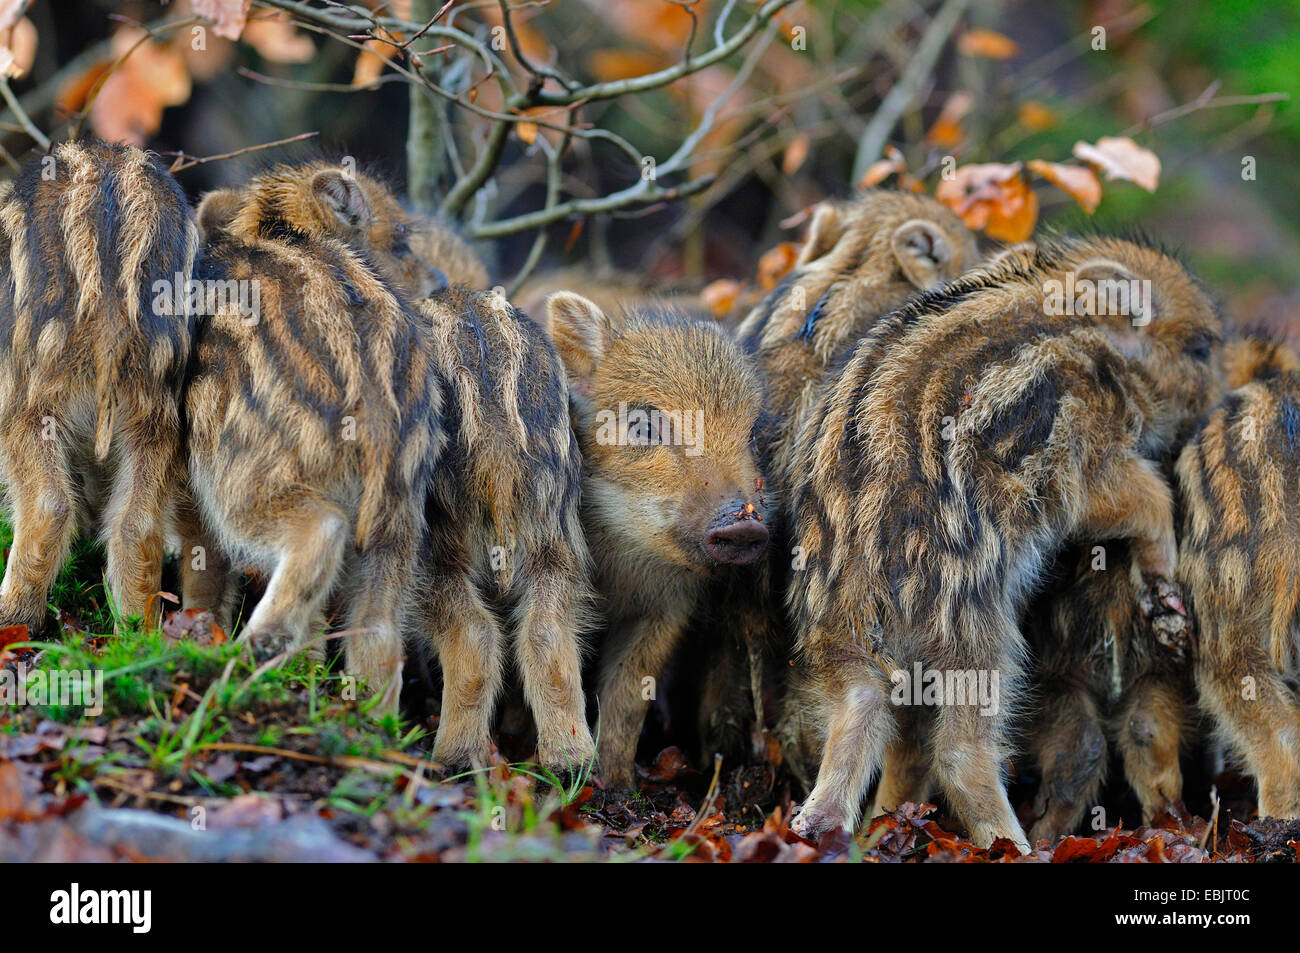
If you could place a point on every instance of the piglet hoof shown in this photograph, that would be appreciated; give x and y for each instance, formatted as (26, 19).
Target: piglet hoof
(1161, 604)
(810, 823)
(265, 646)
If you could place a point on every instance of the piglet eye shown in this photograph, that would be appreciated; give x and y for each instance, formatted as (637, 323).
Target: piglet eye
(644, 428)
(1199, 349)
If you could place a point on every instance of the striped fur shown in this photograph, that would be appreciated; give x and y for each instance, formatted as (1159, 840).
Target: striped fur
(969, 435)
(319, 200)
(90, 370)
(1240, 564)
(1102, 684)
(314, 433)
(504, 540)
(862, 258)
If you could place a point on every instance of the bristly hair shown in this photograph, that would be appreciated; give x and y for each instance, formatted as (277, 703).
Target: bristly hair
(658, 311)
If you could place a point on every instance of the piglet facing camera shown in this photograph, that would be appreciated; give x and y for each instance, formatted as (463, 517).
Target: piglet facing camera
(666, 410)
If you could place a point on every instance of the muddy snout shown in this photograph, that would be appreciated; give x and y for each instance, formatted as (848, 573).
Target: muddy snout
(736, 536)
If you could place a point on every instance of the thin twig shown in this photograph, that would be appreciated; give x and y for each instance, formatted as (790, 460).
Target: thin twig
(1213, 826)
(547, 72)
(633, 195)
(337, 761)
(553, 157)
(710, 798)
(185, 161)
(310, 87)
(23, 119)
(1205, 101)
(594, 91)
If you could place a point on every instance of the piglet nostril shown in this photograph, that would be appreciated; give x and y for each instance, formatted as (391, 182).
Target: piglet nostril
(736, 543)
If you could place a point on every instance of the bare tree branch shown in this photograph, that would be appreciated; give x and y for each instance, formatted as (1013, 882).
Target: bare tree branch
(903, 95)
(541, 72)
(23, 119)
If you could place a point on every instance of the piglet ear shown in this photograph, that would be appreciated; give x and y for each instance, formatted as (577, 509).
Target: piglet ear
(341, 196)
(923, 252)
(217, 210)
(1119, 299)
(581, 333)
(826, 229)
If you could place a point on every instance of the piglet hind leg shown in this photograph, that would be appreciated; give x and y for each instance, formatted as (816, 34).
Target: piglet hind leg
(906, 773)
(42, 510)
(206, 579)
(1149, 728)
(144, 478)
(968, 763)
(1256, 713)
(969, 742)
(312, 544)
(860, 726)
(470, 646)
(375, 649)
(549, 615)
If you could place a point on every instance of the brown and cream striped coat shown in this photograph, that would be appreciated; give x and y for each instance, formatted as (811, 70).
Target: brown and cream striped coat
(969, 436)
(92, 356)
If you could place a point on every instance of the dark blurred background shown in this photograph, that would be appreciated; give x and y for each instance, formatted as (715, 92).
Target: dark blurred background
(1016, 81)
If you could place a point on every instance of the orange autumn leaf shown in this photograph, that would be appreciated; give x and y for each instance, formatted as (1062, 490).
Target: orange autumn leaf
(18, 49)
(989, 44)
(1078, 181)
(552, 115)
(130, 104)
(993, 198)
(775, 263)
(720, 296)
(946, 131)
(662, 26)
(11, 11)
(882, 169)
(72, 95)
(1119, 157)
(371, 62)
(1014, 217)
(278, 40)
(11, 634)
(609, 66)
(1036, 116)
(796, 153)
(787, 24)
(228, 16)
(910, 183)
(531, 41)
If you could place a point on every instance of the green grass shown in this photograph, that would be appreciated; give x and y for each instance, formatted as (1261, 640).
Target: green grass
(167, 703)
